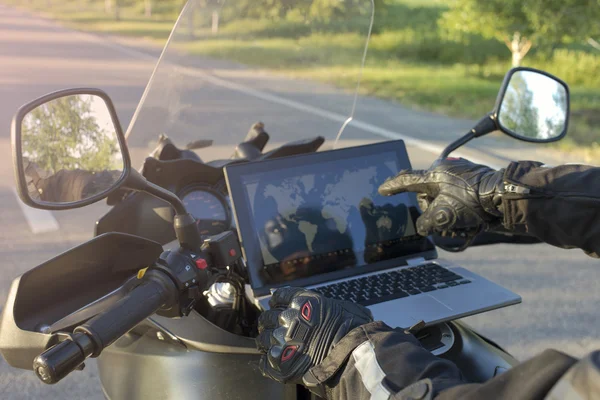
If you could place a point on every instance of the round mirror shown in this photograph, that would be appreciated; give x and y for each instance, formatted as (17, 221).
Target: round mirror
(70, 150)
(534, 107)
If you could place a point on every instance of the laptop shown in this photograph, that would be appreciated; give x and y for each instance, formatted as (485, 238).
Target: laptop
(317, 221)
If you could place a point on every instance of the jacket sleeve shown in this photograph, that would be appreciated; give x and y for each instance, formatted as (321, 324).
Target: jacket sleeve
(377, 362)
(559, 205)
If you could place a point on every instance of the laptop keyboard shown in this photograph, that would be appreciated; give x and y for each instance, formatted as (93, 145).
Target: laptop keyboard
(393, 285)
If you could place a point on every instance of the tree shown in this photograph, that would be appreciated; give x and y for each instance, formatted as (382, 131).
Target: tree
(148, 8)
(518, 112)
(314, 9)
(555, 121)
(593, 38)
(114, 7)
(65, 134)
(523, 23)
(594, 43)
(215, 7)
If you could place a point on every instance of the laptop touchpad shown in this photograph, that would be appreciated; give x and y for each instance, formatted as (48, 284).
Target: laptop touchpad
(408, 311)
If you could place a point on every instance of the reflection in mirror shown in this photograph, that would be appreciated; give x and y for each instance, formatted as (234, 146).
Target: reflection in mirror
(535, 106)
(70, 149)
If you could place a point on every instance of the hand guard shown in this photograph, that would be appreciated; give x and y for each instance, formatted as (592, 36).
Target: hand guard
(300, 329)
(455, 195)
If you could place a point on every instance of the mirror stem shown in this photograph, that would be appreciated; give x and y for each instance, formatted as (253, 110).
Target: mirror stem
(184, 223)
(135, 181)
(167, 196)
(486, 125)
(187, 232)
(456, 144)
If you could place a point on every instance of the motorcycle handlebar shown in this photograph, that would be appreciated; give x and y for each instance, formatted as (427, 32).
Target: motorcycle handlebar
(91, 338)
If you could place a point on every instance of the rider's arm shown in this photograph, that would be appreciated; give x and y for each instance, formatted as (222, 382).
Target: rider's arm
(387, 363)
(335, 349)
(559, 205)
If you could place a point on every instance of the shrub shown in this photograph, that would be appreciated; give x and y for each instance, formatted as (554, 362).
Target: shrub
(576, 67)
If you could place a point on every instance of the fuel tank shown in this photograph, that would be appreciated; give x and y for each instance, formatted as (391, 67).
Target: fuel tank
(142, 367)
(194, 359)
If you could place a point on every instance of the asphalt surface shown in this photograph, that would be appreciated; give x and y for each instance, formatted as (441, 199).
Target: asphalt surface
(559, 287)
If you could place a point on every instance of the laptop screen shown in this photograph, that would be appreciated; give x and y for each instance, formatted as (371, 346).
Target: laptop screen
(320, 213)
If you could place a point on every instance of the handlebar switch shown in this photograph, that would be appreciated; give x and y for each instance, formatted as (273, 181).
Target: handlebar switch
(182, 266)
(190, 271)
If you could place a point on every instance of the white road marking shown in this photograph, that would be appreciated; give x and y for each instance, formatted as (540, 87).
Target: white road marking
(116, 46)
(39, 221)
(332, 116)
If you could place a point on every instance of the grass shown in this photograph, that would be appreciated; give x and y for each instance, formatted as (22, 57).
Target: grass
(139, 28)
(90, 15)
(409, 61)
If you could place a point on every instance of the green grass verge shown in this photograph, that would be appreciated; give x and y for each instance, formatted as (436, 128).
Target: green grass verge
(90, 15)
(409, 61)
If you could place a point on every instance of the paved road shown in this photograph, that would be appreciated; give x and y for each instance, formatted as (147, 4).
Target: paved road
(37, 57)
(559, 288)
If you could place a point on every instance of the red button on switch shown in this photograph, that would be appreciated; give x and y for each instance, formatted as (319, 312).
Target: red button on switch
(232, 252)
(201, 263)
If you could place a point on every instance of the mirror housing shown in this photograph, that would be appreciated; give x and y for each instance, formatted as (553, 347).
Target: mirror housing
(491, 123)
(533, 106)
(18, 154)
(75, 175)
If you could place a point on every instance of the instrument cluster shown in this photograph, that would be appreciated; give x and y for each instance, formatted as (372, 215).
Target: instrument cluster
(210, 207)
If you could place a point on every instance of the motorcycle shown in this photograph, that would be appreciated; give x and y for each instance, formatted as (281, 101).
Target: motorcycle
(159, 296)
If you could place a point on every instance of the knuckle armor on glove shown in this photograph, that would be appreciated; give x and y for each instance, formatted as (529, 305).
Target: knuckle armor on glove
(300, 330)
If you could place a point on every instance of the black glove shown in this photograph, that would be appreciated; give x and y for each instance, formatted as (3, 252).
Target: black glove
(300, 329)
(455, 195)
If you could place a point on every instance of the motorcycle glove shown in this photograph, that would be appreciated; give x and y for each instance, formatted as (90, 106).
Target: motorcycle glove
(454, 194)
(300, 329)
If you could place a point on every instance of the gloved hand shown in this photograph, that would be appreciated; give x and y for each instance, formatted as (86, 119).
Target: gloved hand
(300, 329)
(454, 194)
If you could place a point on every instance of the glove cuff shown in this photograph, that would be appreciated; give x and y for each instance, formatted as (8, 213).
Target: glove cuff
(318, 376)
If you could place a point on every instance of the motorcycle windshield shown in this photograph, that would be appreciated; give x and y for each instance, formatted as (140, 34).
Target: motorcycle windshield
(231, 63)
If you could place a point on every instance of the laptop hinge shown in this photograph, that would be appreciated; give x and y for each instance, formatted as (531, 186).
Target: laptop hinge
(415, 261)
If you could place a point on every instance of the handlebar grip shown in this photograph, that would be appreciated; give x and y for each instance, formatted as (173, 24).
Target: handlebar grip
(89, 339)
(60, 360)
(139, 304)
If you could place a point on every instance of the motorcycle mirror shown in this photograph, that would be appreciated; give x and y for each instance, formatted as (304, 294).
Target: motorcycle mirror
(68, 149)
(532, 105)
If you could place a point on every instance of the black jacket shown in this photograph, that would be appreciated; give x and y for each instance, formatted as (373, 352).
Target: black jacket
(561, 206)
